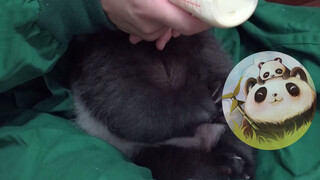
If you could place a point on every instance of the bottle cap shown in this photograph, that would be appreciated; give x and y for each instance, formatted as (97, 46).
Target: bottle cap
(219, 13)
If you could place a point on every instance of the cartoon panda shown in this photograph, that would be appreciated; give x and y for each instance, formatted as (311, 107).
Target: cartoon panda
(271, 69)
(279, 105)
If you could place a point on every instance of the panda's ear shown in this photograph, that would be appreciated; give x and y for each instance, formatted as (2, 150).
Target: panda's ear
(249, 84)
(278, 59)
(299, 73)
(259, 80)
(260, 64)
(286, 73)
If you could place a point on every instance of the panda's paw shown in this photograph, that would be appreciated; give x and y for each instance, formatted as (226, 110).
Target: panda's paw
(233, 166)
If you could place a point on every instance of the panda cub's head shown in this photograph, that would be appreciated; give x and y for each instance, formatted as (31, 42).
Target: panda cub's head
(279, 99)
(271, 69)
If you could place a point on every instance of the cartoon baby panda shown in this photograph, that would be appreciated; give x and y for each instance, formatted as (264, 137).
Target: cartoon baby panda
(272, 68)
(279, 105)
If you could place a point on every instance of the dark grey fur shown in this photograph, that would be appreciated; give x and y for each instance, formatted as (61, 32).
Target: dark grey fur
(145, 95)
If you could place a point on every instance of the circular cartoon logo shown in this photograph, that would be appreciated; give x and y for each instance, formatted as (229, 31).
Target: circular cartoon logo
(269, 100)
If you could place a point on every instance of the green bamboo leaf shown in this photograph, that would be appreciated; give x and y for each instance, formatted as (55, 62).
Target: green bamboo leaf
(237, 89)
(227, 96)
(234, 105)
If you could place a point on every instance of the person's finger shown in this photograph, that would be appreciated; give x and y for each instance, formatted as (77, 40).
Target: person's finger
(175, 33)
(150, 34)
(162, 41)
(177, 18)
(134, 39)
(147, 37)
(154, 36)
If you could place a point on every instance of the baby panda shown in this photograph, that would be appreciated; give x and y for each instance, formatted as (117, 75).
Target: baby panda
(279, 105)
(160, 108)
(272, 68)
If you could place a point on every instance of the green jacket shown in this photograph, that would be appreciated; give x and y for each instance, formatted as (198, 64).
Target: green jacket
(38, 141)
(37, 138)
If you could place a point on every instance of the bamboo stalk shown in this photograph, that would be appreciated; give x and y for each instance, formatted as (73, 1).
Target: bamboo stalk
(252, 124)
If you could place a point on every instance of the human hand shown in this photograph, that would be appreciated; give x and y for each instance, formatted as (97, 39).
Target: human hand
(151, 20)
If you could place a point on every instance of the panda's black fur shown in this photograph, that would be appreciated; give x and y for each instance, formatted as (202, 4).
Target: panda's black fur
(285, 75)
(147, 96)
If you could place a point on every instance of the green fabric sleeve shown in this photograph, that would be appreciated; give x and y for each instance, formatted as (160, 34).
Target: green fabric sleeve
(39, 140)
(65, 18)
(26, 50)
(50, 148)
(34, 34)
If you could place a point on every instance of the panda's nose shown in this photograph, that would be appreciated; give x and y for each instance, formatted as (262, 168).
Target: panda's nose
(274, 94)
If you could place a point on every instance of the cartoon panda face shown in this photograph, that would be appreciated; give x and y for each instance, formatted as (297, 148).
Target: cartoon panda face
(278, 99)
(270, 69)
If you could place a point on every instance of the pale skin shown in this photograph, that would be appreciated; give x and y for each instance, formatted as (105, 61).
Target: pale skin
(151, 20)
